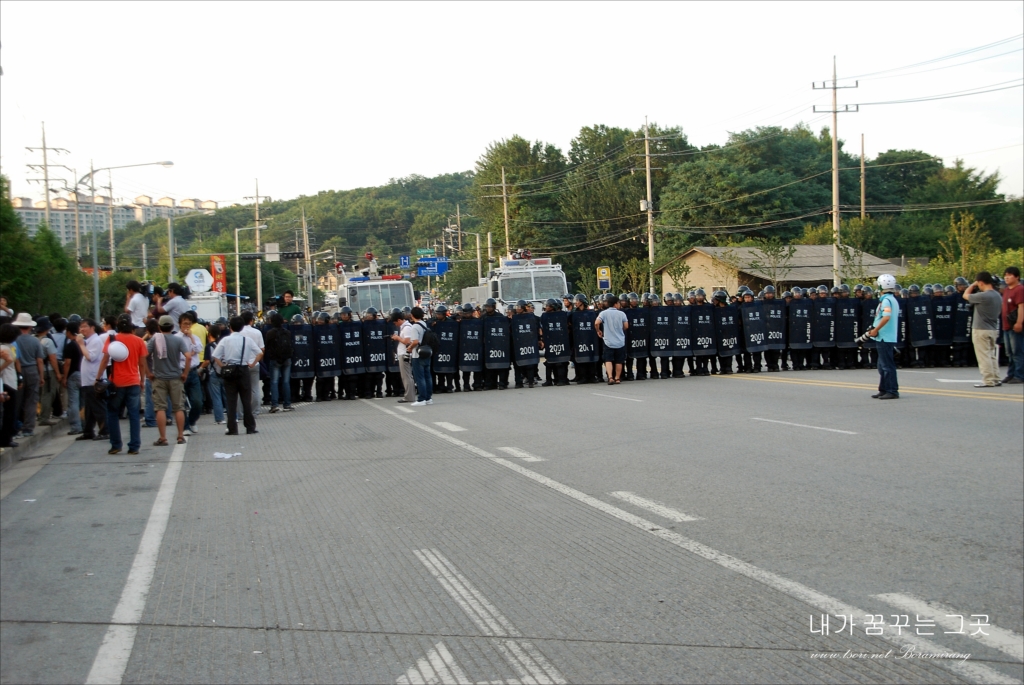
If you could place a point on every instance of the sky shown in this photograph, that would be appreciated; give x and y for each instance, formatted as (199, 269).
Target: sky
(307, 97)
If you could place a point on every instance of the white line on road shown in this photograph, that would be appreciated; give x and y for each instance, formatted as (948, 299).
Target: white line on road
(529, 664)
(112, 657)
(406, 410)
(439, 666)
(950, 380)
(909, 371)
(655, 507)
(616, 397)
(803, 425)
(521, 454)
(1002, 639)
(819, 600)
(449, 426)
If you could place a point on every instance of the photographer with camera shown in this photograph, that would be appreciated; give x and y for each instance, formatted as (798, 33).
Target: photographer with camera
(985, 327)
(405, 338)
(173, 304)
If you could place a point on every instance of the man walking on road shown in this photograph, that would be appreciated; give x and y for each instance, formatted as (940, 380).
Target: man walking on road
(884, 330)
(405, 361)
(420, 362)
(612, 325)
(237, 350)
(985, 327)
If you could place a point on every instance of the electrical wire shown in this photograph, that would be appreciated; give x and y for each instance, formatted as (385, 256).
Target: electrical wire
(948, 66)
(941, 59)
(947, 96)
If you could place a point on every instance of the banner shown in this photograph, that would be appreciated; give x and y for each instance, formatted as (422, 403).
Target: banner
(220, 274)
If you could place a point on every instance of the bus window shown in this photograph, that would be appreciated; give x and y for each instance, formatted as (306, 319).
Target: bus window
(548, 286)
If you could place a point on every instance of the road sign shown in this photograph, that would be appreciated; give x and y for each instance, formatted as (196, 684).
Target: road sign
(425, 251)
(604, 278)
(272, 251)
(403, 261)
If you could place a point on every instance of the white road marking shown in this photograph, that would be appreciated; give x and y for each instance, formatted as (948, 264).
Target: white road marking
(655, 507)
(819, 600)
(616, 397)
(528, 663)
(803, 425)
(950, 380)
(521, 454)
(449, 426)
(1002, 639)
(909, 371)
(406, 410)
(439, 666)
(112, 657)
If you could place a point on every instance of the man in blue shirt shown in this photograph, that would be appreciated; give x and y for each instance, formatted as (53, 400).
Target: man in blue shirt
(884, 331)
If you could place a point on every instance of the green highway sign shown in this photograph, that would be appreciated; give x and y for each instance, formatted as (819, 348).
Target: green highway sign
(425, 251)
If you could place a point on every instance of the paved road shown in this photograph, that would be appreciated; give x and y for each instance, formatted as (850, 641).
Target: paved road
(689, 530)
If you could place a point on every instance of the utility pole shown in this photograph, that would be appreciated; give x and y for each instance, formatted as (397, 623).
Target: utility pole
(863, 182)
(46, 171)
(110, 188)
(172, 273)
(305, 248)
(145, 272)
(259, 260)
(836, 273)
(458, 224)
(650, 206)
(504, 200)
(490, 250)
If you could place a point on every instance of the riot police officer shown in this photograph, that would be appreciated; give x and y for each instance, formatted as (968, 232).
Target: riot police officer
(393, 375)
(445, 362)
(497, 346)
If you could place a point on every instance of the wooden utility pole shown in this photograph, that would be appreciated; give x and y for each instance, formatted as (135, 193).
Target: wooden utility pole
(458, 225)
(863, 183)
(504, 199)
(110, 188)
(259, 260)
(305, 243)
(650, 207)
(145, 272)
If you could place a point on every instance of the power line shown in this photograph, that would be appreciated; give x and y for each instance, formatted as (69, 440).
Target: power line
(942, 59)
(948, 66)
(947, 96)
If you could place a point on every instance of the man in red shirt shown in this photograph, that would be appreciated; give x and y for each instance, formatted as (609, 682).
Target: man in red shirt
(125, 385)
(1013, 320)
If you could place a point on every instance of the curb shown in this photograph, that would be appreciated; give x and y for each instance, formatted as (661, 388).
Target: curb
(11, 455)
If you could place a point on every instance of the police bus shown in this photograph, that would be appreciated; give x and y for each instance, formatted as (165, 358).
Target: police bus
(385, 293)
(520, 278)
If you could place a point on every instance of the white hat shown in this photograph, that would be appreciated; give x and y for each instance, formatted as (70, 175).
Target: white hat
(24, 320)
(117, 350)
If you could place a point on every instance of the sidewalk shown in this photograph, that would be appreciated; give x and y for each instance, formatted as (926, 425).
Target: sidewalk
(12, 455)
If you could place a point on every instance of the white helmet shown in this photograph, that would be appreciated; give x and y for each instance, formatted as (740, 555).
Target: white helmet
(886, 282)
(117, 350)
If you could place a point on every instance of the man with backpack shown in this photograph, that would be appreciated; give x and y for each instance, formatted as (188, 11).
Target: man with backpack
(279, 358)
(420, 343)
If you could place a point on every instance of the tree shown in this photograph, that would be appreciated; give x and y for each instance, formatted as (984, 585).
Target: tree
(967, 243)
(725, 266)
(635, 275)
(773, 258)
(679, 272)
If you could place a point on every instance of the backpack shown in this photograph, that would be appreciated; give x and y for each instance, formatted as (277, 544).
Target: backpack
(430, 341)
(279, 344)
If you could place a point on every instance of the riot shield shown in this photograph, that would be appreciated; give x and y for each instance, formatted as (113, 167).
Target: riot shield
(847, 322)
(682, 331)
(555, 326)
(774, 313)
(325, 350)
(446, 357)
(497, 342)
(943, 311)
(755, 330)
(727, 330)
(962, 320)
(702, 318)
(350, 339)
(584, 337)
(525, 340)
(471, 345)
(801, 323)
(920, 326)
(393, 366)
(662, 342)
(375, 346)
(867, 320)
(823, 333)
(637, 333)
(302, 350)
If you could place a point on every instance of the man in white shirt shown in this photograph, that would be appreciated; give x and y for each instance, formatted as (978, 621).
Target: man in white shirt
(405, 335)
(254, 372)
(90, 342)
(136, 304)
(231, 350)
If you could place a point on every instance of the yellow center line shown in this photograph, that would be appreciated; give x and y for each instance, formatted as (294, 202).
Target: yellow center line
(964, 394)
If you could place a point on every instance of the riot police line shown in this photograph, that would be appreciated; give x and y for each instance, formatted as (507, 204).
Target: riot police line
(348, 356)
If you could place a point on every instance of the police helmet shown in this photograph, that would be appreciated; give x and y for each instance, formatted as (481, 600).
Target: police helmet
(654, 300)
(748, 293)
(797, 290)
(678, 297)
(345, 310)
(857, 288)
(938, 289)
(336, 317)
(580, 297)
(823, 290)
(633, 297)
(467, 309)
(769, 289)
(915, 288)
(395, 311)
(720, 296)
(896, 286)
(700, 293)
(996, 281)
(223, 321)
(692, 293)
(868, 290)
(325, 317)
(844, 289)
(491, 302)
(296, 319)
(786, 294)
(960, 280)
(372, 311)
(811, 292)
(440, 309)
(904, 293)
(927, 290)
(74, 318)
(949, 290)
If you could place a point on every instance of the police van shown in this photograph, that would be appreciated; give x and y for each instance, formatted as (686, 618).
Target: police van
(520, 277)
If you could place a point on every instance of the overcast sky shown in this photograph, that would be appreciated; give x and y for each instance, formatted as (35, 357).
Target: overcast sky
(308, 97)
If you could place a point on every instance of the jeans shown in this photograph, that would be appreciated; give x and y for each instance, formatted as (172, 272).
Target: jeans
(29, 397)
(127, 396)
(1014, 343)
(423, 378)
(277, 370)
(74, 410)
(887, 381)
(194, 393)
(216, 387)
(51, 387)
(255, 389)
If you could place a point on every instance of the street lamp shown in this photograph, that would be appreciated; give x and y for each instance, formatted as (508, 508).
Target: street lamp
(479, 271)
(238, 287)
(92, 223)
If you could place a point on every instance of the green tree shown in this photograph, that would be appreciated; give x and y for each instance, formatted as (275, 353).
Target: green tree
(774, 258)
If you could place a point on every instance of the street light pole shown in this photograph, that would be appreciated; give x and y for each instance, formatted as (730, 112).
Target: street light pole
(238, 287)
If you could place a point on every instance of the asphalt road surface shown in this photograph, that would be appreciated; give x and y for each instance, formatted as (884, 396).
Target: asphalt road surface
(690, 530)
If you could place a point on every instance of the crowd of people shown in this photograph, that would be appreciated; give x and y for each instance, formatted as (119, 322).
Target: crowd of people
(158, 364)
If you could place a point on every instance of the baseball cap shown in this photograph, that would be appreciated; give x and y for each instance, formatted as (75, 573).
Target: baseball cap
(165, 320)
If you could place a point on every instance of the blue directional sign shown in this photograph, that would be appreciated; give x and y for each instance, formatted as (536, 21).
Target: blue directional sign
(431, 266)
(403, 262)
